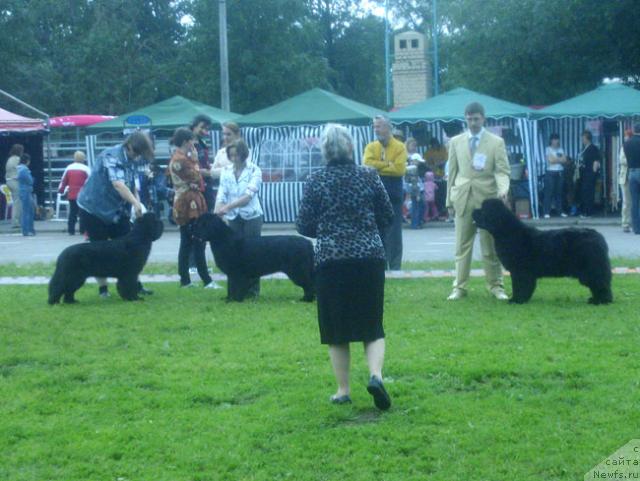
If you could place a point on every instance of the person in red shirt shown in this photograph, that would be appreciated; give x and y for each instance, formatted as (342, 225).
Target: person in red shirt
(74, 177)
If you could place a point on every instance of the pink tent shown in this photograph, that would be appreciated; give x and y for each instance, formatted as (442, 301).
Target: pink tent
(78, 120)
(17, 123)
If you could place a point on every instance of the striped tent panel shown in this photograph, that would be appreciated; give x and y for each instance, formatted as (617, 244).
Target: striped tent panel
(280, 200)
(529, 131)
(90, 141)
(256, 136)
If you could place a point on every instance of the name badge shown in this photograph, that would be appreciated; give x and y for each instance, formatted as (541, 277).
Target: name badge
(479, 161)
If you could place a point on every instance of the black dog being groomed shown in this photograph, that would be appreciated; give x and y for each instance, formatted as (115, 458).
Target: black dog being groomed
(122, 258)
(243, 259)
(529, 254)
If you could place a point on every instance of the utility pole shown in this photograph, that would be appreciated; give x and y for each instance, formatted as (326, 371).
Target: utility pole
(436, 68)
(387, 73)
(224, 57)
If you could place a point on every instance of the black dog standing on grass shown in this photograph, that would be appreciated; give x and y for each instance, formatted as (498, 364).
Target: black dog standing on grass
(243, 259)
(529, 253)
(122, 258)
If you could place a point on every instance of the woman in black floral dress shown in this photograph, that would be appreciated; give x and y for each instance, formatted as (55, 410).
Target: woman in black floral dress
(345, 207)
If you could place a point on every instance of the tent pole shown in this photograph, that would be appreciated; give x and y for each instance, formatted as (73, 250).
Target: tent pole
(24, 104)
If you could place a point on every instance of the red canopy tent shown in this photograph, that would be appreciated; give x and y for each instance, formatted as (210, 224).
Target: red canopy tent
(10, 122)
(78, 120)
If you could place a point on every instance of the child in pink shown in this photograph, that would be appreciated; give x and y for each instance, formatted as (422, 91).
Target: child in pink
(430, 188)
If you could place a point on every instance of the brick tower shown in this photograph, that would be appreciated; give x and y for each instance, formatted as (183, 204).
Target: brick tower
(411, 69)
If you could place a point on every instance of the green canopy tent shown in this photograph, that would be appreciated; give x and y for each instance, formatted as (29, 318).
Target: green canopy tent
(450, 106)
(313, 107)
(285, 142)
(605, 111)
(164, 117)
(442, 116)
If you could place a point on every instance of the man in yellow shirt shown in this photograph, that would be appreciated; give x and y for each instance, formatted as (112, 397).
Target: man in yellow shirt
(389, 157)
(478, 170)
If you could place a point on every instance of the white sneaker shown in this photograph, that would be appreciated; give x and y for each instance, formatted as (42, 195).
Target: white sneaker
(457, 294)
(547, 216)
(213, 285)
(563, 215)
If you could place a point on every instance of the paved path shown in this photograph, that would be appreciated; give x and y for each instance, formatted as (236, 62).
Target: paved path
(434, 243)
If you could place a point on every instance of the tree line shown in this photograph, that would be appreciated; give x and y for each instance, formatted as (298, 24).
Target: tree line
(112, 56)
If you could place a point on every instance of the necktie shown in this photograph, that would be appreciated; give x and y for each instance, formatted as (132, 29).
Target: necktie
(473, 144)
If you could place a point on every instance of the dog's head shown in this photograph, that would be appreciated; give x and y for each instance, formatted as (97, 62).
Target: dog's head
(210, 227)
(495, 217)
(148, 227)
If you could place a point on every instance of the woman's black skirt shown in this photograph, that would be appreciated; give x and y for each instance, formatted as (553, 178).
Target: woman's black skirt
(350, 300)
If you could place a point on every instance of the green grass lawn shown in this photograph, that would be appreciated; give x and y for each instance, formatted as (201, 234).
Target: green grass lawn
(184, 386)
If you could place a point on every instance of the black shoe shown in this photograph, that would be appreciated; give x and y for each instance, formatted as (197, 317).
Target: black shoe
(380, 396)
(144, 292)
(340, 399)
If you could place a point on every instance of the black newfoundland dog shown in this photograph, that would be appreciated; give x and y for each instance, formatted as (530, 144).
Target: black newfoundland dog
(529, 253)
(121, 258)
(243, 259)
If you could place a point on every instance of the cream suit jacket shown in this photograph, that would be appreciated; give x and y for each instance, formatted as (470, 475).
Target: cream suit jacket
(468, 187)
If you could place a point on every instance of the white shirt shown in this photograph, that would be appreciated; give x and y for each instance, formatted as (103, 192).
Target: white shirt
(478, 136)
(248, 183)
(221, 161)
(554, 151)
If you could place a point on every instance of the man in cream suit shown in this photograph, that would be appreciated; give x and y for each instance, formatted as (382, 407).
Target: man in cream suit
(478, 170)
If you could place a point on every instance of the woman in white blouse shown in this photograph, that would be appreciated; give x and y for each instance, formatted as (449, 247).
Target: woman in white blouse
(237, 198)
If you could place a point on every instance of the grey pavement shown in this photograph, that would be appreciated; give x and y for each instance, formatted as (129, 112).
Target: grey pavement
(435, 242)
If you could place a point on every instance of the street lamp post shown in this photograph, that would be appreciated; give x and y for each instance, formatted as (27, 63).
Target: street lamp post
(224, 57)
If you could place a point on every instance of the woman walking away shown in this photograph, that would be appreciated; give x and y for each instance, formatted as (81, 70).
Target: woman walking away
(346, 207)
(25, 183)
(189, 204)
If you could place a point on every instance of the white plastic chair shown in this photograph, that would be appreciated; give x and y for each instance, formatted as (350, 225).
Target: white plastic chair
(61, 202)
(4, 188)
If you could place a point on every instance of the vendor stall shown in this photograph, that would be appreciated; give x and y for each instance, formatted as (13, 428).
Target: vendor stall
(441, 117)
(606, 112)
(16, 129)
(285, 142)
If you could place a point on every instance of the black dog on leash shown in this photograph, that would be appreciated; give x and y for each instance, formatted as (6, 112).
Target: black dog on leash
(529, 253)
(122, 258)
(243, 259)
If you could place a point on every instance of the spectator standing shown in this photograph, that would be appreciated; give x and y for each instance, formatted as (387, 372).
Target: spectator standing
(478, 170)
(389, 157)
(430, 189)
(436, 157)
(73, 179)
(110, 192)
(200, 127)
(25, 185)
(237, 198)
(189, 204)
(632, 153)
(589, 168)
(414, 182)
(623, 181)
(11, 176)
(230, 133)
(553, 183)
(346, 207)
